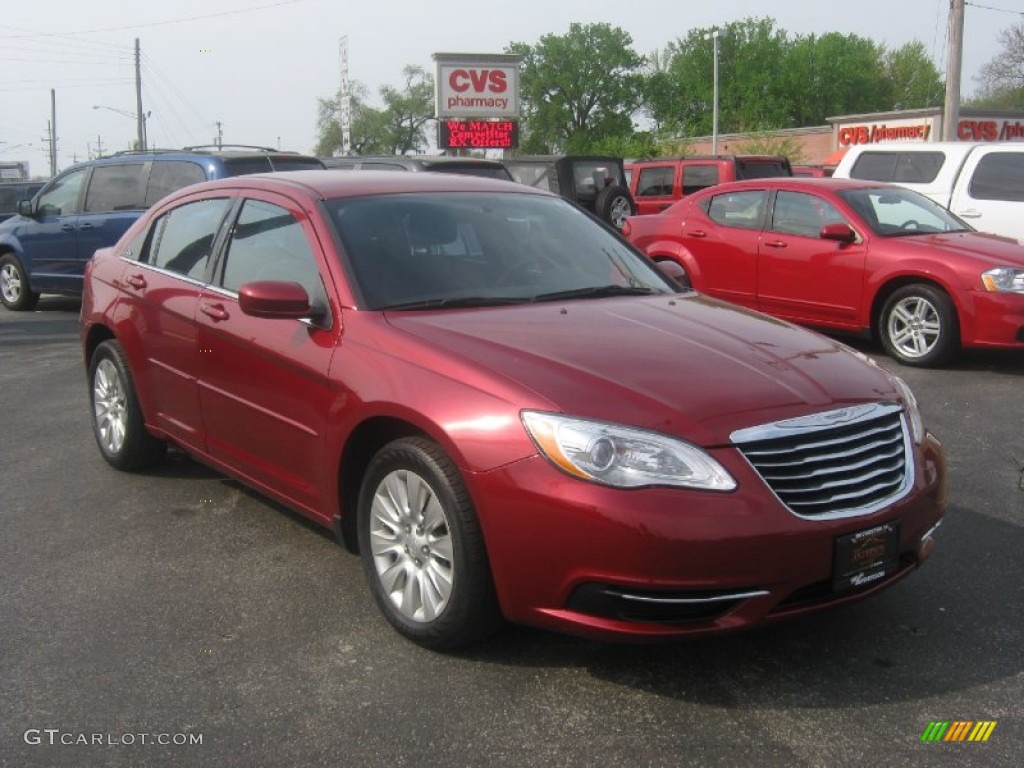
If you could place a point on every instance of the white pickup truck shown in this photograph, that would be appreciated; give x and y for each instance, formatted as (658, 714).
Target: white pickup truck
(982, 183)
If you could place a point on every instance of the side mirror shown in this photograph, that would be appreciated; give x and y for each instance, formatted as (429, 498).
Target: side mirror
(838, 231)
(25, 208)
(274, 299)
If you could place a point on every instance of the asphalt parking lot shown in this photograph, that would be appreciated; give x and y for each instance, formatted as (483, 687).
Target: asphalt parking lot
(141, 611)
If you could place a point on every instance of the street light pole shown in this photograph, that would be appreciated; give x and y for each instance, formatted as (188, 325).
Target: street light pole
(714, 108)
(141, 118)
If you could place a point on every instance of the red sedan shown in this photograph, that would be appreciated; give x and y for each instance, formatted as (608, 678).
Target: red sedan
(507, 410)
(847, 256)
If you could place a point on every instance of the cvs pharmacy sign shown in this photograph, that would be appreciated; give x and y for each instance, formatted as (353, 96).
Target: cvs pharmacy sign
(476, 85)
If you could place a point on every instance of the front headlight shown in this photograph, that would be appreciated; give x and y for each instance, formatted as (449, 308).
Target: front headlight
(913, 412)
(623, 457)
(1003, 280)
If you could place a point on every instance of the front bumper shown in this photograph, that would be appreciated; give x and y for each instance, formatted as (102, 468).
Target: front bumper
(579, 557)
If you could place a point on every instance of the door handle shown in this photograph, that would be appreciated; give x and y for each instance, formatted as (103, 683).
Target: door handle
(136, 281)
(216, 311)
(775, 244)
(969, 214)
(697, 233)
(67, 227)
(86, 226)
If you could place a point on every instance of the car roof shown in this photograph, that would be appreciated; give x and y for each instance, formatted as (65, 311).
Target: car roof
(335, 183)
(796, 183)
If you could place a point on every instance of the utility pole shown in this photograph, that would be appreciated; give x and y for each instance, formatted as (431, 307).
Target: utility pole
(48, 138)
(53, 132)
(99, 146)
(140, 119)
(220, 136)
(954, 60)
(345, 97)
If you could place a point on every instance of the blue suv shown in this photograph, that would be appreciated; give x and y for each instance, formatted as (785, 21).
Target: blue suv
(89, 206)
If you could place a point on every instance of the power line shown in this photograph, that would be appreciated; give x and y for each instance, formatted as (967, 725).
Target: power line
(999, 10)
(165, 22)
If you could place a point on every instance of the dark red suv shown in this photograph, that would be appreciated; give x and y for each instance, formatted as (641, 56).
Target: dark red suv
(508, 410)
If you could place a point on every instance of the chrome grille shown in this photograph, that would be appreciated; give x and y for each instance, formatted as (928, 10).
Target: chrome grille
(841, 463)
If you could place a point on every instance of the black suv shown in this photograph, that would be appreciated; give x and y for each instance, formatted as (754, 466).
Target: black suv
(469, 166)
(594, 182)
(89, 206)
(11, 192)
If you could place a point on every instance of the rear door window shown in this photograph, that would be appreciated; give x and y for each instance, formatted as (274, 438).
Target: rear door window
(117, 187)
(744, 210)
(999, 176)
(182, 239)
(697, 177)
(655, 182)
(170, 176)
(909, 167)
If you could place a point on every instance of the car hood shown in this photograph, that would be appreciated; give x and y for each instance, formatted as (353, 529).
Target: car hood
(992, 250)
(685, 365)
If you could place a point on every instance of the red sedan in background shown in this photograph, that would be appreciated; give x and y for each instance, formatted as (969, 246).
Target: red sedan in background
(504, 407)
(848, 256)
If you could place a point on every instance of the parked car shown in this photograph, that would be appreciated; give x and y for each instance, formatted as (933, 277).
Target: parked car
(509, 410)
(851, 256)
(982, 183)
(13, 192)
(812, 171)
(90, 205)
(657, 184)
(594, 182)
(470, 166)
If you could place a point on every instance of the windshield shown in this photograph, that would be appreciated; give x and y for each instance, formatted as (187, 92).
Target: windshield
(897, 212)
(413, 251)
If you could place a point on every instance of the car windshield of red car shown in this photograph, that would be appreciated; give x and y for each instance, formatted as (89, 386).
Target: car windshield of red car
(412, 251)
(897, 212)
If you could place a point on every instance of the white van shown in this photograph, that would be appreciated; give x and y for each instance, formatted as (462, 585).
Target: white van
(981, 183)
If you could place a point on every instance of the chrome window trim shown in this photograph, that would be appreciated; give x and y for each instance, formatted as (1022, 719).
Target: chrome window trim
(162, 271)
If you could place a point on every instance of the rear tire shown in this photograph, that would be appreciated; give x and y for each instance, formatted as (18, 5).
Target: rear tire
(919, 326)
(15, 293)
(117, 419)
(422, 548)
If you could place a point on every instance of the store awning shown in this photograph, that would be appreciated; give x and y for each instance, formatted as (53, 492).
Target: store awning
(835, 157)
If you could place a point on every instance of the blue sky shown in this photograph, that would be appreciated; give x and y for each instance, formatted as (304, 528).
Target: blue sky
(258, 66)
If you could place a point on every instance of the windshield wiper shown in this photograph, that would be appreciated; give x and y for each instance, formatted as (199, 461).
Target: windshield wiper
(461, 301)
(597, 292)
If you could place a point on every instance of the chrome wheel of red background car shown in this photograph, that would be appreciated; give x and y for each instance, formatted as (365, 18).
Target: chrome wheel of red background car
(919, 326)
(14, 290)
(117, 419)
(422, 548)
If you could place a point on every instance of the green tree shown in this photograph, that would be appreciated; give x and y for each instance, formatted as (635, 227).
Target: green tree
(579, 89)
(366, 127)
(397, 128)
(408, 111)
(1002, 78)
(913, 77)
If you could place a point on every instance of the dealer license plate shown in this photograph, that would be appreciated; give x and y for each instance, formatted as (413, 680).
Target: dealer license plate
(866, 557)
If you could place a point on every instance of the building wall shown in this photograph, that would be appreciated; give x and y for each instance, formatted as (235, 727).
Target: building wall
(824, 145)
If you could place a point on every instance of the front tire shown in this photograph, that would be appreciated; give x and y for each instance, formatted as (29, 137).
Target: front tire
(117, 419)
(15, 293)
(919, 326)
(422, 548)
